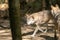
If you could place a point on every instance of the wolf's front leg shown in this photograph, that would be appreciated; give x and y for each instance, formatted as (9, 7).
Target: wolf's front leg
(35, 32)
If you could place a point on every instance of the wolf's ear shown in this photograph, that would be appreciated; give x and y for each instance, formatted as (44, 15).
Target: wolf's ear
(27, 15)
(57, 6)
(52, 7)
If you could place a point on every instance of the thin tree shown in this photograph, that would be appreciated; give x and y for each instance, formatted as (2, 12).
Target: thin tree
(43, 4)
(15, 19)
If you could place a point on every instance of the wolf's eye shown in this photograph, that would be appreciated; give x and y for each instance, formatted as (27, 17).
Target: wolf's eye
(32, 17)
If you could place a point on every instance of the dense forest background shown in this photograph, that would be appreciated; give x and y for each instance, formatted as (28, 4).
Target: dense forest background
(37, 5)
(31, 6)
(26, 6)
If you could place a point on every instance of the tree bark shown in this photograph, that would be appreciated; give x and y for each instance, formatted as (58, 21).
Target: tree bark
(15, 19)
(43, 4)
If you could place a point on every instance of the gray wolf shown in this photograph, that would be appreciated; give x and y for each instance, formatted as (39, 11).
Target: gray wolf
(39, 18)
(42, 17)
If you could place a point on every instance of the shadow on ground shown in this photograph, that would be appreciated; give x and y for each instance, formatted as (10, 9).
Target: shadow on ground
(30, 33)
(48, 37)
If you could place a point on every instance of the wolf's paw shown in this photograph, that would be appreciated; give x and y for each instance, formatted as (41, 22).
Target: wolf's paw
(32, 35)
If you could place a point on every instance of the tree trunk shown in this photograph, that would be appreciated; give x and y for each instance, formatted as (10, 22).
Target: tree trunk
(15, 19)
(43, 4)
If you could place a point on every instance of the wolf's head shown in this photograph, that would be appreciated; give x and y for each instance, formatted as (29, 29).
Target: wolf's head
(4, 6)
(30, 19)
(55, 10)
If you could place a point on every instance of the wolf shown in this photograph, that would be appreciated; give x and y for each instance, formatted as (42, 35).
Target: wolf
(41, 18)
(4, 11)
(56, 13)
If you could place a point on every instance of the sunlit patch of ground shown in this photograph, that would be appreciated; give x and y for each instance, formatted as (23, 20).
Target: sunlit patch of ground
(5, 34)
(28, 30)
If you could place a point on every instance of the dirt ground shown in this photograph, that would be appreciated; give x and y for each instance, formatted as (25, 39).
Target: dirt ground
(5, 34)
(28, 30)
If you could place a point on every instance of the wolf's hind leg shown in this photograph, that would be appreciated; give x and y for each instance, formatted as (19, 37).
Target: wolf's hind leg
(42, 30)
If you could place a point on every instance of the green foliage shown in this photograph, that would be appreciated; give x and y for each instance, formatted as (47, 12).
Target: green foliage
(35, 6)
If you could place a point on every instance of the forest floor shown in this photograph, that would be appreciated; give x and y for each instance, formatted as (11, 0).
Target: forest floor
(5, 34)
(27, 31)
